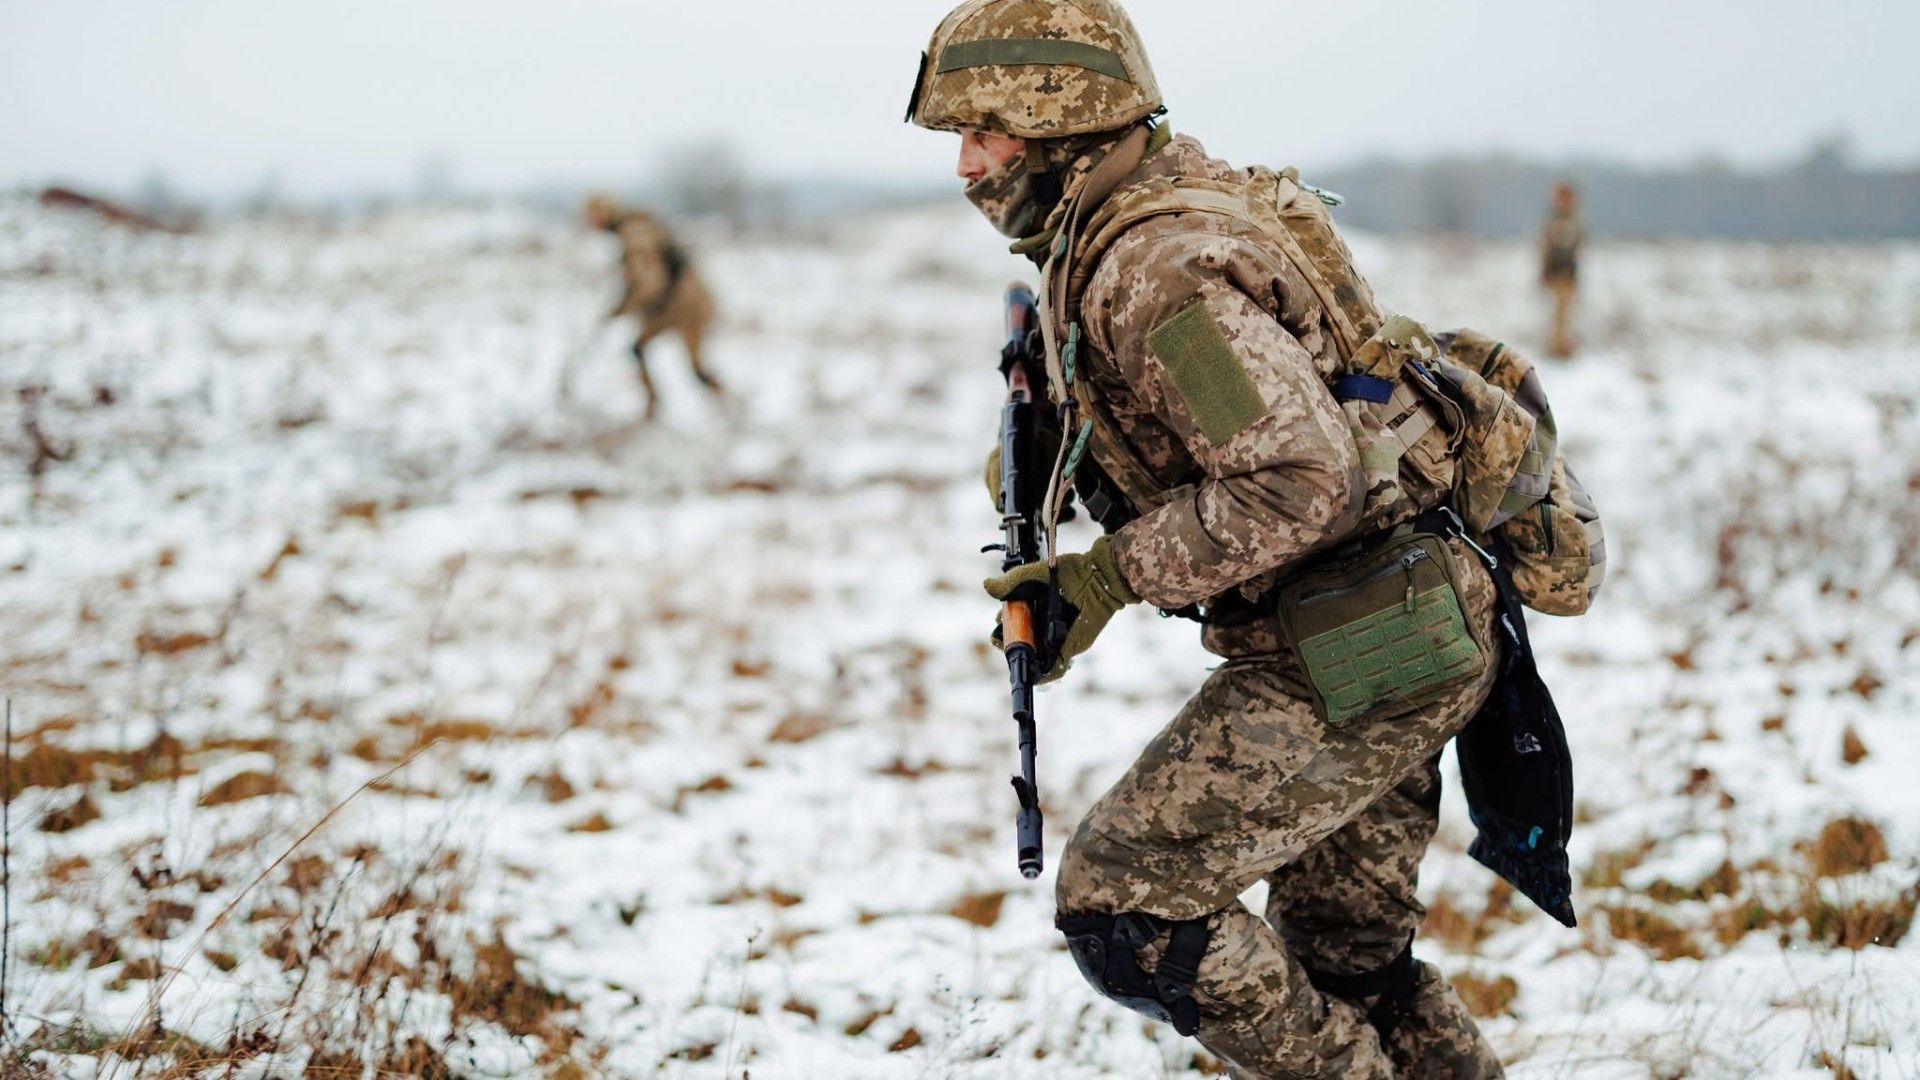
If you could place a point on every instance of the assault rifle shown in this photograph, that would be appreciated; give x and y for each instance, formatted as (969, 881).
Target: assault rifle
(1023, 478)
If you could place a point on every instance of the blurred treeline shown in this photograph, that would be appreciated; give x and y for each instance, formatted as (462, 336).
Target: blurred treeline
(1824, 196)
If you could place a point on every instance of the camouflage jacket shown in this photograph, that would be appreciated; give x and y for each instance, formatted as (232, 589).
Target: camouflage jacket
(1560, 241)
(1209, 356)
(652, 263)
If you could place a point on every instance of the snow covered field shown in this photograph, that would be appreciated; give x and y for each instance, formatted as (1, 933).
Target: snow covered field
(378, 712)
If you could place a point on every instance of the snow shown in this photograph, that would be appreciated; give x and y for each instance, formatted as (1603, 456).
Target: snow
(706, 730)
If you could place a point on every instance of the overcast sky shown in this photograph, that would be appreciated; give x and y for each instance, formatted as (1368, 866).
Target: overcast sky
(355, 94)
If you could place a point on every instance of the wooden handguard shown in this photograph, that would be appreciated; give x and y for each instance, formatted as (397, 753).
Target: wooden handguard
(1016, 625)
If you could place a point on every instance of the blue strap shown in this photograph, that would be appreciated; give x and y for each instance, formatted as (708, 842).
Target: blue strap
(1363, 388)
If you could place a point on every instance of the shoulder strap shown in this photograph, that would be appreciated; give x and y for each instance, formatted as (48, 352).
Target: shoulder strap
(1269, 202)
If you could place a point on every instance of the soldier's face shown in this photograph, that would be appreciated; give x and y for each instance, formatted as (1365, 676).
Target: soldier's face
(981, 152)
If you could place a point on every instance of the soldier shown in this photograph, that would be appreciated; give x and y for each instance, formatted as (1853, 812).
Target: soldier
(662, 287)
(1560, 241)
(1201, 357)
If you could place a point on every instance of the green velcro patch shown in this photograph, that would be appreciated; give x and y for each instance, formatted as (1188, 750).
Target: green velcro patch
(1399, 653)
(1207, 373)
(1016, 51)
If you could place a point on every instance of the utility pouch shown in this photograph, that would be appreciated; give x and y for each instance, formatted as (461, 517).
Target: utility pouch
(1383, 628)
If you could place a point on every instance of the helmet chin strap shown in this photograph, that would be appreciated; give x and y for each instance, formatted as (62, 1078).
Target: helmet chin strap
(1046, 183)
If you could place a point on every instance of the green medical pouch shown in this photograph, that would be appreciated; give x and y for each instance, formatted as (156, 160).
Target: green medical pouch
(1385, 627)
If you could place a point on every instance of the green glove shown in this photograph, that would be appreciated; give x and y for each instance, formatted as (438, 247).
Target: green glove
(1091, 590)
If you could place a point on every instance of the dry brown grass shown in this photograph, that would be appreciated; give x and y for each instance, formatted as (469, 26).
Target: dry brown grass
(1853, 749)
(1848, 846)
(593, 705)
(161, 917)
(868, 1019)
(1859, 923)
(154, 643)
(899, 767)
(242, 786)
(81, 811)
(498, 993)
(317, 916)
(1486, 997)
(1833, 1064)
(980, 909)
(47, 765)
(1207, 1065)
(1609, 868)
(712, 785)
(552, 786)
(1662, 937)
(798, 728)
(1465, 930)
(1724, 881)
(1730, 924)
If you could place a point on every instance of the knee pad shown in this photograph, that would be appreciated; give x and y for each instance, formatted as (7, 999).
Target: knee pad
(1104, 948)
(1391, 986)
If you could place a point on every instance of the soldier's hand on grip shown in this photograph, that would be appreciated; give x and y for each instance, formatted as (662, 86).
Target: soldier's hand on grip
(1091, 590)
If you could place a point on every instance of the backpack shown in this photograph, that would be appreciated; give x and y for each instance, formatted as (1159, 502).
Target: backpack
(1454, 417)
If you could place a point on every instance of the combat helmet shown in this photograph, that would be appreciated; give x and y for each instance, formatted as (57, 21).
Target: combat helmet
(1034, 69)
(600, 210)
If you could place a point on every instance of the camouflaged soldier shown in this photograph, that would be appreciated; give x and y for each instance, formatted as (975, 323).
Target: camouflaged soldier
(1560, 241)
(662, 288)
(1193, 359)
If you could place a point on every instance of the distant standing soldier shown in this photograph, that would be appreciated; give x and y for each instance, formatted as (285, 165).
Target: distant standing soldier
(1560, 264)
(662, 287)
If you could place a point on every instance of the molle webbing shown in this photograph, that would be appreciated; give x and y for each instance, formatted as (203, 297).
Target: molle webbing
(1270, 203)
(993, 52)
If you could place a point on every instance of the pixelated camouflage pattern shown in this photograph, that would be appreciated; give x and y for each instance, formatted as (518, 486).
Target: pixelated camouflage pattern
(1036, 101)
(1245, 783)
(1556, 549)
(1304, 221)
(1502, 471)
(1438, 1039)
(1487, 445)
(1556, 543)
(1407, 444)
(1006, 198)
(1406, 471)
(1071, 160)
(667, 301)
(1220, 514)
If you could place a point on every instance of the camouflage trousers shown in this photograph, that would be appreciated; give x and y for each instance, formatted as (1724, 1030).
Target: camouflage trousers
(1247, 783)
(688, 313)
(1562, 290)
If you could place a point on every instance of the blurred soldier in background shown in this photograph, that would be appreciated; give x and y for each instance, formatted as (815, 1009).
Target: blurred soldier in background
(662, 288)
(1191, 355)
(1560, 264)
